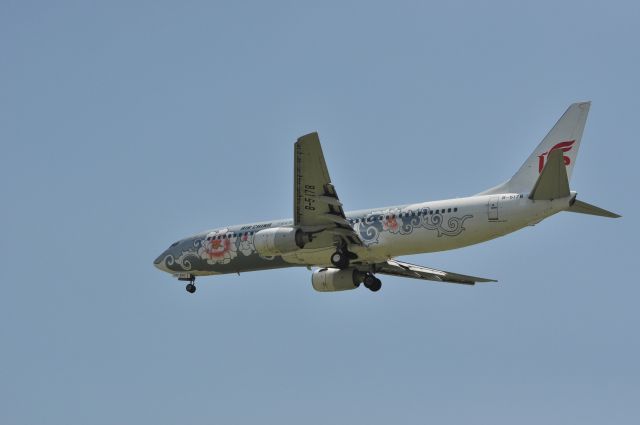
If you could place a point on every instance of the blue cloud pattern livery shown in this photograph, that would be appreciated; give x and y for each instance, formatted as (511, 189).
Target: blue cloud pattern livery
(397, 222)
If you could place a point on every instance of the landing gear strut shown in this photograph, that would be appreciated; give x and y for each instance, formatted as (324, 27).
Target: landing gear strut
(191, 286)
(340, 259)
(372, 283)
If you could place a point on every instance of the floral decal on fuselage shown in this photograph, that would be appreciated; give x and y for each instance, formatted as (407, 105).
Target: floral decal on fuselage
(217, 247)
(215, 250)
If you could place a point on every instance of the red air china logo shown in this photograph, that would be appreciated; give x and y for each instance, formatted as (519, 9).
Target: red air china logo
(563, 146)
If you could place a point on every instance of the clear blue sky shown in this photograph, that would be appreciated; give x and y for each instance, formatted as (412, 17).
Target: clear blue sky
(127, 125)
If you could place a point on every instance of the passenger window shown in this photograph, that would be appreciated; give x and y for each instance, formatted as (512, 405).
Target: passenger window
(455, 210)
(449, 210)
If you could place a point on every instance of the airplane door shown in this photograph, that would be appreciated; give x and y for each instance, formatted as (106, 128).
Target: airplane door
(493, 208)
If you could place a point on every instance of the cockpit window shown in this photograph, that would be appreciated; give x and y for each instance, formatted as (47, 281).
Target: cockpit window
(174, 244)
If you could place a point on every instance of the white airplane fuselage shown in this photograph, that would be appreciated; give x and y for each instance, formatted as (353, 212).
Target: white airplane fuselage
(480, 218)
(387, 232)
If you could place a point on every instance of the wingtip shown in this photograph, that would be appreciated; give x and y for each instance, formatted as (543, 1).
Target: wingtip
(311, 134)
(484, 280)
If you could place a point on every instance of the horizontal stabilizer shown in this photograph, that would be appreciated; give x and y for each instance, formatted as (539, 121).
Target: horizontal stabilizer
(584, 208)
(553, 182)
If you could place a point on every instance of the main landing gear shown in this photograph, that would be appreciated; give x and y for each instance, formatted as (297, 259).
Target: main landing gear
(372, 283)
(342, 257)
(191, 286)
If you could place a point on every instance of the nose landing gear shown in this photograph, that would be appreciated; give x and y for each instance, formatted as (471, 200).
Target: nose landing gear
(191, 286)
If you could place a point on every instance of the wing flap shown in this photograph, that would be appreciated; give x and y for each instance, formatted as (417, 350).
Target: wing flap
(402, 269)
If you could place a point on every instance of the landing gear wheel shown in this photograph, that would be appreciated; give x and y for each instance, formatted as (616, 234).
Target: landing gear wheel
(369, 280)
(191, 288)
(376, 286)
(372, 283)
(340, 259)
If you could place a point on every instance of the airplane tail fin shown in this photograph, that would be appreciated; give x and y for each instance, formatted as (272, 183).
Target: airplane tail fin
(565, 137)
(546, 173)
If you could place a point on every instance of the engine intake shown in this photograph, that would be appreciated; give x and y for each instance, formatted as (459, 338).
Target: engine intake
(331, 280)
(280, 240)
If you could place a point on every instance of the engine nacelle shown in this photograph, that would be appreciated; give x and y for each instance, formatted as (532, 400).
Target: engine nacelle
(279, 240)
(331, 280)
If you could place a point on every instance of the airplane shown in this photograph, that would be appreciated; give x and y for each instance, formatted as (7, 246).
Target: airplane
(346, 249)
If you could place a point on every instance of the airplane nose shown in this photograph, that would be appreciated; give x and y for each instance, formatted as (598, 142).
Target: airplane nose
(159, 262)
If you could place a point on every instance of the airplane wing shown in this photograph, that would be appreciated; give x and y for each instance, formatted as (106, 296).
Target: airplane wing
(402, 269)
(316, 206)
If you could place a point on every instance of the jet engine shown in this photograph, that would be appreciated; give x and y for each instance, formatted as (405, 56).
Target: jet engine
(279, 240)
(331, 280)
